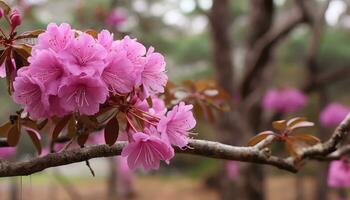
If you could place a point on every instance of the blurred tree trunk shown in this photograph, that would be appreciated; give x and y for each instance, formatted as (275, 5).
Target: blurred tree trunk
(112, 180)
(249, 185)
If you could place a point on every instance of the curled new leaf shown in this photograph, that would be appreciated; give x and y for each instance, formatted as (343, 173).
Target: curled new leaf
(35, 137)
(279, 125)
(111, 131)
(258, 138)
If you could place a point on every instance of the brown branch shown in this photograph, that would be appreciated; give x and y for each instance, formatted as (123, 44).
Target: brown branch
(258, 57)
(256, 154)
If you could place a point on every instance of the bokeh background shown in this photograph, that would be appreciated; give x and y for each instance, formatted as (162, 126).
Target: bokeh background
(219, 40)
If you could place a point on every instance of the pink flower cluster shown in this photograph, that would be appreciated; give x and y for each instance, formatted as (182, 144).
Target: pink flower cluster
(77, 74)
(116, 18)
(339, 174)
(72, 72)
(333, 114)
(284, 100)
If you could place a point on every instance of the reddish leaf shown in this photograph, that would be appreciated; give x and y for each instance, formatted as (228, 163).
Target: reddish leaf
(279, 125)
(261, 136)
(5, 128)
(82, 139)
(42, 124)
(72, 128)
(13, 136)
(30, 34)
(59, 127)
(91, 32)
(295, 120)
(35, 137)
(149, 101)
(23, 50)
(111, 131)
(9, 70)
(290, 148)
(303, 124)
(307, 138)
(4, 54)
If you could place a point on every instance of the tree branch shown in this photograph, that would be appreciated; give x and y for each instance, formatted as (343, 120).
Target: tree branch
(259, 153)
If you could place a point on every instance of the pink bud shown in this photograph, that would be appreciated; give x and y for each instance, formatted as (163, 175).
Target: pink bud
(15, 18)
(1, 12)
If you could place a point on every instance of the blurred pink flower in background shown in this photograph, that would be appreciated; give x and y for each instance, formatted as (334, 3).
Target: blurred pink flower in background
(333, 114)
(124, 176)
(284, 100)
(116, 18)
(339, 174)
(7, 152)
(232, 170)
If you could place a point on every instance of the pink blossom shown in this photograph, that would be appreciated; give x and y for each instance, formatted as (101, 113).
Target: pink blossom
(232, 170)
(48, 69)
(153, 76)
(135, 52)
(7, 152)
(118, 74)
(116, 18)
(55, 37)
(339, 174)
(158, 107)
(284, 100)
(177, 124)
(105, 38)
(333, 114)
(147, 150)
(30, 93)
(83, 94)
(84, 55)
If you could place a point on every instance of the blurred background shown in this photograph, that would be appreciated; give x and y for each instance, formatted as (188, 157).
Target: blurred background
(277, 59)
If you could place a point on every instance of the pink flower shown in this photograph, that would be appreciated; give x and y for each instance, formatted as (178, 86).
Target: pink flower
(118, 74)
(176, 124)
(135, 52)
(105, 38)
(148, 151)
(158, 107)
(7, 152)
(116, 18)
(333, 114)
(232, 170)
(284, 100)
(153, 76)
(83, 94)
(48, 69)
(84, 55)
(30, 93)
(339, 174)
(55, 37)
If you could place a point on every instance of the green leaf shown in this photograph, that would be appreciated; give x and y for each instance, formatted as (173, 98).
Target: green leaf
(111, 131)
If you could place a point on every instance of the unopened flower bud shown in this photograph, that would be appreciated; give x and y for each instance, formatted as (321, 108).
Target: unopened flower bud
(15, 18)
(1, 12)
